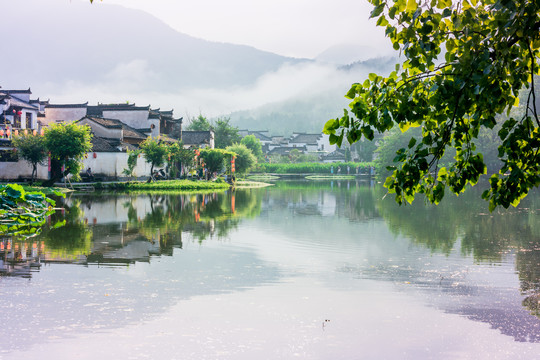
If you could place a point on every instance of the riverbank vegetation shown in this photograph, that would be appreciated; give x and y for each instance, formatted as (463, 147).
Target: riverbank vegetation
(491, 53)
(22, 212)
(315, 168)
(177, 185)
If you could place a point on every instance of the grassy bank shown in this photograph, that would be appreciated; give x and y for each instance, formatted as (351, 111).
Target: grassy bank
(183, 185)
(313, 168)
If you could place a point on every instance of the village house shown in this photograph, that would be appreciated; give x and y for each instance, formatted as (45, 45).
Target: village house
(116, 128)
(110, 142)
(17, 112)
(198, 139)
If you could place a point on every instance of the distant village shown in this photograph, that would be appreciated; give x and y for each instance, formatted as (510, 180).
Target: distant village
(118, 128)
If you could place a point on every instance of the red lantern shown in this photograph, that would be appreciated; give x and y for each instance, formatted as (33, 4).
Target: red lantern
(19, 112)
(95, 155)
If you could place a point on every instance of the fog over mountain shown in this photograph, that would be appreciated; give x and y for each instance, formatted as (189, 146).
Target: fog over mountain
(73, 52)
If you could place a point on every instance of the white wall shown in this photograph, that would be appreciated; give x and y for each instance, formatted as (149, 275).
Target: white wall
(112, 164)
(113, 210)
(12, 170)
(324, 144)
(33, 121)
(155, 132)
(102, 131)
(64, 114)
(137, 119)
(108, 164)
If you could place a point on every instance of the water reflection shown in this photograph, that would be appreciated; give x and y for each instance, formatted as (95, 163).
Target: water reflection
(124, 229)
(456, 256)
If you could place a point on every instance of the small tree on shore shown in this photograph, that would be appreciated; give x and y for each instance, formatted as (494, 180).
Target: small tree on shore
(179, 157)
(131, 162)
(215, 159)
(154, 152)
(253, 144)
(32, 149)
(67, 145)
(245, 160)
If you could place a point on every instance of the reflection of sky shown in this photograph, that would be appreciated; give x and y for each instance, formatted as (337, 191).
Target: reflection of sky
(265, 291)
(366, 250)
(65, 299)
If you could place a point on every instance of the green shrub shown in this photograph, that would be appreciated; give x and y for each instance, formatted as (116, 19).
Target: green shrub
(312, 168)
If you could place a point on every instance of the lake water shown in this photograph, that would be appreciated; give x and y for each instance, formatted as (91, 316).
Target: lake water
(300, 270)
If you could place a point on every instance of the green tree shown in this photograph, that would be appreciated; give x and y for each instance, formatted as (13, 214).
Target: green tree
(245, 160)
(200, 123)
(294, 155)
(491, 53)
(365, 149)
(215, 159)
(179, 157)
(253, 144)
(133, 156)
(32, 149)
(67, 143)
(154, 152)
(225, 134)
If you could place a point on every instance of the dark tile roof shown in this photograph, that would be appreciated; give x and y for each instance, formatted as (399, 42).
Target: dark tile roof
(14, 102)
(132, 133)
(97, 110)
(108, 123)
(195, 137)
(154, 114)
(100, 144)
(127, 130)
(40, 102)
(335, 155)
(305, 138)
(16, 91)
(121, 107)
(66, 105)
(259, 135)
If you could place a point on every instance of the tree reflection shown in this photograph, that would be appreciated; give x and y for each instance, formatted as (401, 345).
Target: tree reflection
(488, 237)
(128, 227)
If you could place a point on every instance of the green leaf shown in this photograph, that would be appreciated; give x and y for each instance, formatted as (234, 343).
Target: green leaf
(382, 21)
(411, 5)
(377, 11)
(13, 193)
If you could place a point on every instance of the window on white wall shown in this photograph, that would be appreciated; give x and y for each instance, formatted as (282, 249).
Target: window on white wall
(28, 120)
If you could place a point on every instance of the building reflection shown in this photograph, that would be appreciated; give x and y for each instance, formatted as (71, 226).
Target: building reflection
(20, 258)
(118, 230)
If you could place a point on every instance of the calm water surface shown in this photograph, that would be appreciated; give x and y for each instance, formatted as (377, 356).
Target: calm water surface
(308, 270)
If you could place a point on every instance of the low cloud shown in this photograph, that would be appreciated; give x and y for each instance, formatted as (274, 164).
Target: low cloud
(134, 81)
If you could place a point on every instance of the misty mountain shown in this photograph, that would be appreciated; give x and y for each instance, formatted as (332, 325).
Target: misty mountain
(344, 54)
(73, 52)
(309, 111)
(56, 42)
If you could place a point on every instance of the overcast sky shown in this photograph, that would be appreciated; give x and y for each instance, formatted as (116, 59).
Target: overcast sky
(297, 28)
